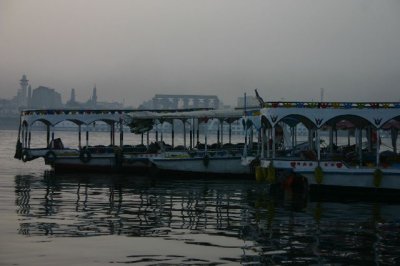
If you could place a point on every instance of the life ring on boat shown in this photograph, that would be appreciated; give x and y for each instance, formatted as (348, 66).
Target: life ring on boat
(254, 163)
(85, 156)
(206, 160)
(25, 156)
(50, 157)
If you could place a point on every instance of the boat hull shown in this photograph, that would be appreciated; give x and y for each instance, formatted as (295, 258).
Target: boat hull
(338, 174)
(222, 165)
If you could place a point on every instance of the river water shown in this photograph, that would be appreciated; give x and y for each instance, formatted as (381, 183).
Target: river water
(99, 219)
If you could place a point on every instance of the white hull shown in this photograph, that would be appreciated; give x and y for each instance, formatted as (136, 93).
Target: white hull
(219, 165)
(336, 173)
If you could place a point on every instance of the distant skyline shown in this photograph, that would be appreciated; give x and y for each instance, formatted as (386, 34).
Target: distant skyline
(133, 50)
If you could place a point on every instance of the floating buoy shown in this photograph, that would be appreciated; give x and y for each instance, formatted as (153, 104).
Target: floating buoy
(259, 174)
(288, 182)
(85, 156)
(319, 175)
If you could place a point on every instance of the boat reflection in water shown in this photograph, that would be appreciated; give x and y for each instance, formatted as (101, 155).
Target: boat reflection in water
(227, 215)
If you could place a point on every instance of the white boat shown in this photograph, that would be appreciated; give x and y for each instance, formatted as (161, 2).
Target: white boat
(123, 157)
(112, 157)
(337, 165)
(207, 159)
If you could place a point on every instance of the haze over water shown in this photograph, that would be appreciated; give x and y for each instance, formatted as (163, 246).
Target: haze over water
(134, 49)
(98, 219)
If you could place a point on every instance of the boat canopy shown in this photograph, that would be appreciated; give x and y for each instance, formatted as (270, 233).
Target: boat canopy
(86, 117)
(318, 115)
(201, 114)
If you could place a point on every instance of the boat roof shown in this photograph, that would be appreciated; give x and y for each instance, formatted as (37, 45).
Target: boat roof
(217, 113)
(85, 117)
(319, 114)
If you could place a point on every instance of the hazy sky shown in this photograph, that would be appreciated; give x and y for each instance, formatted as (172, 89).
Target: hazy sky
(135, 49)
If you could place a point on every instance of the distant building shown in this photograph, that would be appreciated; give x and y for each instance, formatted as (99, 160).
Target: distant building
(72, 101)
(179, 101)
(43, 97)
(92, 103)
(22, 94)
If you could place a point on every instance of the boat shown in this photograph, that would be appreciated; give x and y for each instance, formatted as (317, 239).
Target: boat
(321, 161)
(84, 157)
(192, 156)
(218, 158)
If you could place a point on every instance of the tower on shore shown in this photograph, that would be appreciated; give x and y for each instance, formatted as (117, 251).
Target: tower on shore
(94, 95)
(72, 99)
(22, 95)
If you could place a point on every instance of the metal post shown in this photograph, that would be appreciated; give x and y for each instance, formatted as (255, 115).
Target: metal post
(273, 142)
(23, 135)
(218, 134)
(262, 130)
(378, 144)
(230, 133)
(52, 135)
(157, 132)
(162, 132)
(222, 132)
(121, 133)
(197, 131)
(26, 137)
(29, 139)
(336, 140)
(48, 135)
(292, 132)
(268, 141)
(184, 132)
(87, 136)
(113, 133)
(318, 146)
(80, 136)
(172, 133)
(193, 128)
(205, 136)
(191, 136)
(360, 144)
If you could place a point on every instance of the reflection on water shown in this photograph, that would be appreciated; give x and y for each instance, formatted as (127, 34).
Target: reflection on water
(268, 229)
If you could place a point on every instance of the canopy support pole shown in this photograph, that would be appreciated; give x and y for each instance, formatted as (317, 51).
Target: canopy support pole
(318, 145)
(121, 133)
(184, 133)
(172, 133)
(87, 136)
(378, 144)
(47, 135)
(80, 136)
(273, 142)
